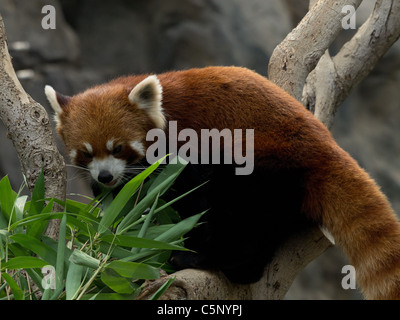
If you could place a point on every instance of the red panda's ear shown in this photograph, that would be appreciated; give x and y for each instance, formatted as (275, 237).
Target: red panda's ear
(57, 100)
(147, 95)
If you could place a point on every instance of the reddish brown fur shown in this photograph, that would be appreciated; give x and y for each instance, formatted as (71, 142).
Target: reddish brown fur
(339, 194)
(81, 117)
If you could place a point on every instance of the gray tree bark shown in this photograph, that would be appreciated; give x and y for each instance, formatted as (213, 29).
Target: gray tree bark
(29, 128)
(337, 76)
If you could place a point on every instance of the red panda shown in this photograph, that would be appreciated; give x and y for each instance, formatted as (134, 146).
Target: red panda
(300, 173)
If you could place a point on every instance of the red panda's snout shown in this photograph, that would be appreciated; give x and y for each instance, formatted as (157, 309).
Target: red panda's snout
(106, 177)
(108, 171)
(108, 162)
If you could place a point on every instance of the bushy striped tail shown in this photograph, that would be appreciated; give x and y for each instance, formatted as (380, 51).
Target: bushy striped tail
(348, 203)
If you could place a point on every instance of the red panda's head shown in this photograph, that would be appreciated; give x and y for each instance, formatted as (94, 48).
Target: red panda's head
(104, 128)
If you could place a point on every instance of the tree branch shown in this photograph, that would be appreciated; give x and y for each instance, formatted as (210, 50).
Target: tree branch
(29, 129)
(290, 259)
(334, 78)
(298, 54)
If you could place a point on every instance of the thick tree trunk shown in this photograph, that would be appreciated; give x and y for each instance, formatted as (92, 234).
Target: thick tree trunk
(29, 128)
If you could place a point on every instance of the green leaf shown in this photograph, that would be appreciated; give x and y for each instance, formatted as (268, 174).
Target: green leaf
(134, 270)
(153, 231)
(180, 228)
(2, 250)
(169, 170)
(61, 252)
(36, 276)
(36, 246)
(178, 198)
(37, 202)
(80, 258)
(135, 242)
(30, 220)
(24, 262)
(73, 280)
(145, 226)
(37, 227)
(16, 290)
(3, 221)
(137, 211)
(47, 294)
(19, 205)
(162, 289)
(109, 296)
(83, 224)
(23, 283)
(113, 210)
(116, 282)
(7, 197)
(86, 209)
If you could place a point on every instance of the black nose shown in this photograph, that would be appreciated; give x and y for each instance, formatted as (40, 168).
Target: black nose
(105, 176)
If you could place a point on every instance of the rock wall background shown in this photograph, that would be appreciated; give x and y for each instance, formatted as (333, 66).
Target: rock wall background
(95, 41)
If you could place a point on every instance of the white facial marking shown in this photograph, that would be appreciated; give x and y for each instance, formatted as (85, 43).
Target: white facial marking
(138, 147)
(72, 155)
(88, 147)
(113, 165)
(110, 145)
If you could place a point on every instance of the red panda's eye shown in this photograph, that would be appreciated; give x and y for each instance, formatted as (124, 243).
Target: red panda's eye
(87, 155)
(117, 149)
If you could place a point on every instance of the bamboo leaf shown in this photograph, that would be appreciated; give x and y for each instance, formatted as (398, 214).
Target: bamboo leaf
(38, 226)
(169, 170)
(61, 252)
(36, 246)
(111, 213)
(134, 270)
(37, 201)
(116, 282)
(137, 211)
(24, 262)
(177, 198)
(73, 280)
(136, 242)
(180, 228)
(162, 289)
(16, 290)
(7, 197)
(80, 258)
(109, 296)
